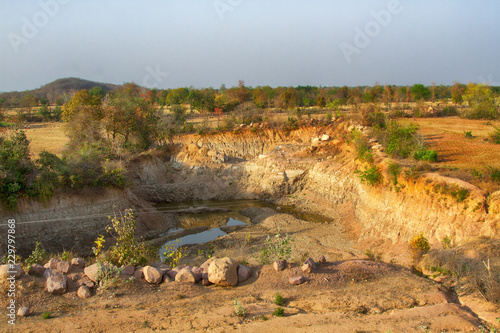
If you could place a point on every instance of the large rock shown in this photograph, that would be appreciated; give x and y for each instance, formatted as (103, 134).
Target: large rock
(78, 262)
(173, 272)
(36, 269)
(197, 273)
(84, 292)
(63, 267)
(152, 275)
(6, 271)
(56, 282)
(244, 273)
(128, 270)
(52, 264)
(185, 276)
(92, 271)
(223, 272)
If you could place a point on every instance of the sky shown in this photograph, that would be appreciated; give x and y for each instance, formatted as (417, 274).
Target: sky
(207, 43)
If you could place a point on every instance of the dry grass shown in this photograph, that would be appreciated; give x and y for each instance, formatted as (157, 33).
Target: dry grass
(446, 136)
(46, 136)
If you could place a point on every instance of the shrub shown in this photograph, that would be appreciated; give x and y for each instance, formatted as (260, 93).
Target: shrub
(46, 315)
(448, 111)
(364, 150)
(401, 140)
(278, 299)
(239, 310)
(468, 135)
(38, 256)
(446, 242)
(425, 155)
(279, 312)
(372, 175)
(107, 275)
(419, 245)
(495, 136)
(394, 171)
(172, 254)
(127, 250)
(277, 248)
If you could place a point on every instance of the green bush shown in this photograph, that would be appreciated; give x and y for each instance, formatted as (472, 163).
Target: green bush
(371, 175)
(419, 245)
(278, 247)
(425, 155)
(127, 249)
(495, 136)
(278, 299)
(394, 170)
(38, 256)
(279, 312)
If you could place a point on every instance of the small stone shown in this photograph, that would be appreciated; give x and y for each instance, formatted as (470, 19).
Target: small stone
(78, 262)
(161, 267)
(84, 292)
(75, 278)
(92, 271)
(128, 270)
(173, 272)
(36, 269)
(90, 284)
(152, 275)
(244, 273)
(322, 260)
(63, 267)
(23, 311)
(308, 266)
(279, 265)
(166, 279)
(205, 282)
(185, 276)
(325, 137)
(296, 280)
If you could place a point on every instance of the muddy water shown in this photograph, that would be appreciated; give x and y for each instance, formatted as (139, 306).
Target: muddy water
(208, 225)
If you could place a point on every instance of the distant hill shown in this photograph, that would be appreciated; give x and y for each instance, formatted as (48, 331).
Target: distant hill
(57, 90)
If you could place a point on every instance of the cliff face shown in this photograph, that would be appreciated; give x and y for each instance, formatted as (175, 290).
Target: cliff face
(289, 168)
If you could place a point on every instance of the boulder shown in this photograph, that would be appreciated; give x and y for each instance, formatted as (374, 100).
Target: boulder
(128, 270)
(223, 272)
(244, 273)
(92, 271)
(139, 273)
(23, 311)
(161, 267)
(197, 273)
(78, 262)
(279, 265)
(296, 280)
(36, 269)
(52, 264)
(56, 282)
(63, 267)
(152, 275)
(173, 272)
(7, 271)
(185, 276)
(84, 292)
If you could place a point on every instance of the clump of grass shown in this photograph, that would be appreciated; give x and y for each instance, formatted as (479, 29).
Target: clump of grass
(495, 136)
(371, 175)
(279, 312)
(278, 299)
(46, 315)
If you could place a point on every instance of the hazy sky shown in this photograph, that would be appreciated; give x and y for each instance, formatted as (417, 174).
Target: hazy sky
(175, 43)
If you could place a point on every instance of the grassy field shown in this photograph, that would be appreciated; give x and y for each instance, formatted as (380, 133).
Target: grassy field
(447, 137)
(46, 136)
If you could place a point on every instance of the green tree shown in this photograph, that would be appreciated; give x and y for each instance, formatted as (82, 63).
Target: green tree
(420, 92)
(480, 98)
